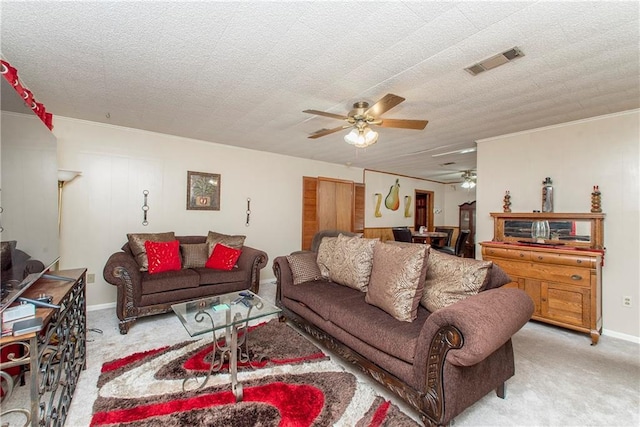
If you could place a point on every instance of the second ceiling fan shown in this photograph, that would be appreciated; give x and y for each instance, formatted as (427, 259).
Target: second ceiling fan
(362, 117)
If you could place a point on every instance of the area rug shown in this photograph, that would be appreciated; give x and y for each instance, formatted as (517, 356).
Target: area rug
(297, 385)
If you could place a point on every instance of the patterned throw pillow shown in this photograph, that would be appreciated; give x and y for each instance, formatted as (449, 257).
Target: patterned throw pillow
(351, 262)
(163, 256)
(451, 279)
(325, 255)
(397, 279)
(214, 238)
(223, 257)
(136, 244)
(304, 267)
(194, 255)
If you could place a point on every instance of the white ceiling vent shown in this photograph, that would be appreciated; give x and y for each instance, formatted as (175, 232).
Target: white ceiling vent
(494, 61)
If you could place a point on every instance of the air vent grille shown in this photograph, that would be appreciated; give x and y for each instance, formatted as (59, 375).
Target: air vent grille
(494, 61)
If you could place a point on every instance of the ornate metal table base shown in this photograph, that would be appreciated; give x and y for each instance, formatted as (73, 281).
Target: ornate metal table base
(231, 349)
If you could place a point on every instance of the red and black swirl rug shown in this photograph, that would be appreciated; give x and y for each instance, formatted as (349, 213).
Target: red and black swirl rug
(298, 385)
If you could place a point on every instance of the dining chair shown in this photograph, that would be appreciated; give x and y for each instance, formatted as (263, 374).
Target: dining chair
(463, 236)
(401, 234)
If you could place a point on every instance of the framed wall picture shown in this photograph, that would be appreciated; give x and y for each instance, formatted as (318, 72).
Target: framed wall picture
(203, 191)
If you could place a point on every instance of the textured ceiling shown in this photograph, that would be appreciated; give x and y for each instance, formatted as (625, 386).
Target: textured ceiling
(240, 73)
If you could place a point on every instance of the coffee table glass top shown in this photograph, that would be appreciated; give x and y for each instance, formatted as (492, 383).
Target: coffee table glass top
(223, 311)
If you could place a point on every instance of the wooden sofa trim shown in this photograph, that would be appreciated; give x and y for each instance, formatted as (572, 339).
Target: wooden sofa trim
(431, 404)
(128, 312)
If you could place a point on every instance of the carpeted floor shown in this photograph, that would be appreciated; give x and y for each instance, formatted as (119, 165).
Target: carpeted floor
(560, 379)
(295, 385)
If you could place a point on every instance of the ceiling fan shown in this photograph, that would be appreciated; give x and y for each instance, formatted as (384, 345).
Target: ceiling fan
(469, 179)
(362, 116)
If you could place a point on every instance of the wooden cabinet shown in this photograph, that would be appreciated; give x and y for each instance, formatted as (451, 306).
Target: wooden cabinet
(467, 221)
(564, 279)
(330, 204)
(57, 354)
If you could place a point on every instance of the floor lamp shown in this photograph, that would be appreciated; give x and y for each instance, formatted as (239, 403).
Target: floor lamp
(64, 176)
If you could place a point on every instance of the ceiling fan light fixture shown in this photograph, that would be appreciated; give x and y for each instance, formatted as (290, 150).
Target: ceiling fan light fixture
(361, 138)
(469, 180)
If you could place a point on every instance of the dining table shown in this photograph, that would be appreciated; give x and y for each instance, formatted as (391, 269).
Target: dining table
(429, 237)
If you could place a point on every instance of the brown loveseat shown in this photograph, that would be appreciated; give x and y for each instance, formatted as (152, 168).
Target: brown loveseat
(440, 363)
(143, 294)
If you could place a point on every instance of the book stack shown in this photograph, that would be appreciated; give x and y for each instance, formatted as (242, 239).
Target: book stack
(20, 319)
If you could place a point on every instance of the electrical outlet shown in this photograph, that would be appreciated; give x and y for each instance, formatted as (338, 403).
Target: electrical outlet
(626, 301)
(91, 278)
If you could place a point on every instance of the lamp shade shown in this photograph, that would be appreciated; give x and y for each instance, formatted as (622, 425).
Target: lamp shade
(361, 138)
(65, 175)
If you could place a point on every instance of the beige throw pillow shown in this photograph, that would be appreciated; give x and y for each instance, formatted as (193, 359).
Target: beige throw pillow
(214, 238)
(397, 279)
(136, 244)
(194, 255)
(304, 267)
(325, 255)
(351, 262)
(451, 279)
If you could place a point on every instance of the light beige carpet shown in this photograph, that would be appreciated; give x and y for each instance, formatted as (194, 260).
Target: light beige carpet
(560, 379)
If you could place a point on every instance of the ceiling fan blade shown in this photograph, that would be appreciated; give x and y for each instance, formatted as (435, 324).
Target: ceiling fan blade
(323, 132)
(324, 113)
(385, 104)
(402, 123)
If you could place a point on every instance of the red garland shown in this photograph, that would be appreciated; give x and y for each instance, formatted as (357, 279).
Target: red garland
(10, 74)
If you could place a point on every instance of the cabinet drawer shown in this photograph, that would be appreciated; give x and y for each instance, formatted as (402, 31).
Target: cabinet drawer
(564, 259)
(556, 273)
(507, 253)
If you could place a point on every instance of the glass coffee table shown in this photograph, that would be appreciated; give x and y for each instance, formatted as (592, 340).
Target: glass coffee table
(229, 313)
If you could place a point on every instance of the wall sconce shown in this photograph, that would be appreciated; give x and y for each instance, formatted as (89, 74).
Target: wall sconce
(145, 208)
(64, 176)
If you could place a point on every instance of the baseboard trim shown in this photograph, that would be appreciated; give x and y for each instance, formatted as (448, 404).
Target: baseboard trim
(621, 336)
(101, 306)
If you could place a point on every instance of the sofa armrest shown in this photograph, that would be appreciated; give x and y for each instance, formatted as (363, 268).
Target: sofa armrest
(284, 277)
(116, 264)
(486, 321)
(253, 260)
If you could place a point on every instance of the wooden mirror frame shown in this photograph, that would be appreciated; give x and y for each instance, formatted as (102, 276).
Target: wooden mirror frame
(596, 220)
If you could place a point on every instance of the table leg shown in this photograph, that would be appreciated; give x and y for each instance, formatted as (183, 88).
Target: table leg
(236, 387)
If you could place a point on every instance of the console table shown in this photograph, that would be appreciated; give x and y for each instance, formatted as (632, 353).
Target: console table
(563, 274)
(57, 354)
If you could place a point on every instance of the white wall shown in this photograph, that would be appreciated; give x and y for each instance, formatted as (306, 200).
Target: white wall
(454, 196)
(603, 151)
(104, 203)
(378, 182)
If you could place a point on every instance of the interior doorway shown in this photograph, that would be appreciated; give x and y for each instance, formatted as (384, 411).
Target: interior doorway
(423, 216)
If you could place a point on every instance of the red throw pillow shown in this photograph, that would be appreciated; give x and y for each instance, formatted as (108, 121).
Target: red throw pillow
(223, 257)
(163, 256)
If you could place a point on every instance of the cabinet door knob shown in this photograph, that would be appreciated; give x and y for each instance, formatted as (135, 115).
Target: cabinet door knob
(576, 277)
(579, 261)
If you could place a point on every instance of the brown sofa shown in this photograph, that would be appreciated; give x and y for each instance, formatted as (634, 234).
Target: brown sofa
(143, 294)
(440, 363)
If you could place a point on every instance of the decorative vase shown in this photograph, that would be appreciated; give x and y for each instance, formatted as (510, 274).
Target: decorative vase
(547, 195)
(540, 231)
(507, 202)
(596, 206)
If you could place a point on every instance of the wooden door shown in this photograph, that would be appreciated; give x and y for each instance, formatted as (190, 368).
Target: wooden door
(309, 210)
(358, 208)
(423, 211)
(328, 204)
